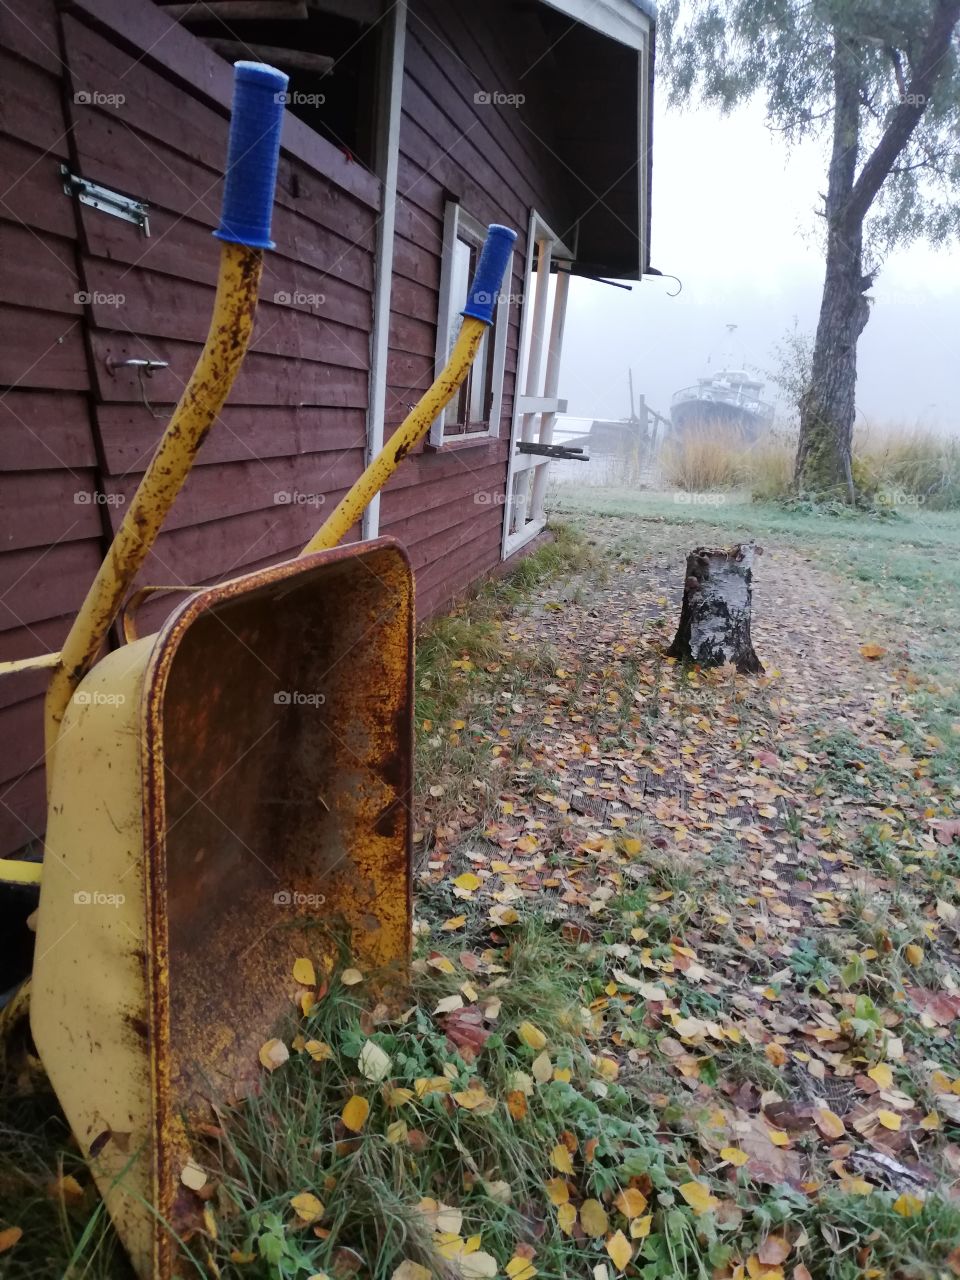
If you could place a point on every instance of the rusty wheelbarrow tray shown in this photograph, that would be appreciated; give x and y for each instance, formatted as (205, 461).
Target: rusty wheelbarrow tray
(231, 792)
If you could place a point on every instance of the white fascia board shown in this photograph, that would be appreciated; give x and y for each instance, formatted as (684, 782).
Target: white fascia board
(619, 19)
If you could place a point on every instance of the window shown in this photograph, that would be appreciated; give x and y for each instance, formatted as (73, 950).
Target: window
(475, 410)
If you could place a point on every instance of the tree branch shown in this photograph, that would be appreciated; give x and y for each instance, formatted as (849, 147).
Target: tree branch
(907, 114)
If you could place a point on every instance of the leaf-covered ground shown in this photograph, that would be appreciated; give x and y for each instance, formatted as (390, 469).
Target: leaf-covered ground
(686, 998)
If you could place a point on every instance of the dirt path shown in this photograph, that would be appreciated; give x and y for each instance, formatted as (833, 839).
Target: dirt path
(792, 962)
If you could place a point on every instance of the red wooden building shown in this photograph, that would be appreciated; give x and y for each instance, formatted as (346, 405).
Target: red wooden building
(409, 127)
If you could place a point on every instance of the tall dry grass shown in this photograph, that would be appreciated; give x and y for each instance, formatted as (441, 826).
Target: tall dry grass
(893, 466)
(902, 465)
(705, 460)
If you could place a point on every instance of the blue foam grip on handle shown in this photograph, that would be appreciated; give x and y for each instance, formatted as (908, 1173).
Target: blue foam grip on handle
(488, 277)
(259, 95)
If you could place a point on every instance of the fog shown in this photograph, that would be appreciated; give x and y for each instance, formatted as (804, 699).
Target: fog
(733, 218)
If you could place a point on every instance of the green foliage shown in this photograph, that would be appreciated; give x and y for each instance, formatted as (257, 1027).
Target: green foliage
(729, 51)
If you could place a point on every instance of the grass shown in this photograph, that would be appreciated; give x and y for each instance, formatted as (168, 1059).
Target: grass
(465, 659)
(298, 1194)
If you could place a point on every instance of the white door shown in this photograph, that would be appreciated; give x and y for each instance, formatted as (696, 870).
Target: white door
(538, 372)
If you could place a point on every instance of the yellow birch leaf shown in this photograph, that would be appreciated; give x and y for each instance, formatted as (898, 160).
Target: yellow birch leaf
(593, 1218)
(532, 1036)
(477, 1266)
(426, 1085)
(778, 1137)
(734, 1155)
(930, 1121)
(558, 1192)
(560, 1159)
(858, 1187)
(351, 977)
(397, 1132)
(542, 1068)
(566, 1218)
(889, 1119)
(304, 972)
(829, 1124)
(881, 1075)
(520, 1269)
(317, 1050)
(907, 1206)
(640, 1227)
(306, 1206)
(355, 1112)
(913, 954)
(620, 1250)
(9, 1237)
(470, 1099)
(66, 1188)
(455, 922)
(408, 1270)
(394, 1096)
(698, 1197)
(630, 1202)
(468, 882)
(274, 1054)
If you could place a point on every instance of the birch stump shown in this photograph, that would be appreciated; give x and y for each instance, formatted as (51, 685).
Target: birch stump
(715, 616)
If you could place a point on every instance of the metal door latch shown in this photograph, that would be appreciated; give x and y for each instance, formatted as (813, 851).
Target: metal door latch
(107, 201)
(142, 366)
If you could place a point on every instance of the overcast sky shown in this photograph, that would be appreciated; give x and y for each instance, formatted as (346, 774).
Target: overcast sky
(733, 218)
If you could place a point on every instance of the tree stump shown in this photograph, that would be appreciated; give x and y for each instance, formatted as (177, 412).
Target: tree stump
(715, 616)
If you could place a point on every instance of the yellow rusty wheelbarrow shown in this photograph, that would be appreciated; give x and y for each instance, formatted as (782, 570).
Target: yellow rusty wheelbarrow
(228, 793)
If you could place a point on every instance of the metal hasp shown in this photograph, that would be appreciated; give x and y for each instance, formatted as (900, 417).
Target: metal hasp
(107, 201)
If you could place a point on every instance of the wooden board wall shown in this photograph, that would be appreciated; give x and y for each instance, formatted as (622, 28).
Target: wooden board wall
(129, 99)
(447, 505)
(132, 101)
(51, 542)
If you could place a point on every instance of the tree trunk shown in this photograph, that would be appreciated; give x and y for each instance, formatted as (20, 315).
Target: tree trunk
(715, 616)
(825, 449)
(824, 453)
(824, 464)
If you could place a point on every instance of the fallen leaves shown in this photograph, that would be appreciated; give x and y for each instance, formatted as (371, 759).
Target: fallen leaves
(10, 1236)
(355, 1112)
(698, 1196)
(620, 1250)
(307, 1207)
(531, 1036)
(273, 1054)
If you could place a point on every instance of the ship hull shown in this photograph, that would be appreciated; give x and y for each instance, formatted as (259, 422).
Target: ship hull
(712, 415)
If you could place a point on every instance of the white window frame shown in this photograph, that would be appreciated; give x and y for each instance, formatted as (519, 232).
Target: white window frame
(535, 408)
(460, 225)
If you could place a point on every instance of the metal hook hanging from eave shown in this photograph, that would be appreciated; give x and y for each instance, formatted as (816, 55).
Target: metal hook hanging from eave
(665, 275)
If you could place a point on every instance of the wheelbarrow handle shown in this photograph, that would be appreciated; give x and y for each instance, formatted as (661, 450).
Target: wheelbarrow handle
(477, 317)
(253, 152)
(251, 171)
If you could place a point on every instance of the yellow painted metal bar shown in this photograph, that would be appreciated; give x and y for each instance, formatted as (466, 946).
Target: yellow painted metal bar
(40, 662)
(230, 329)
(15, 871)
(413, 428)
